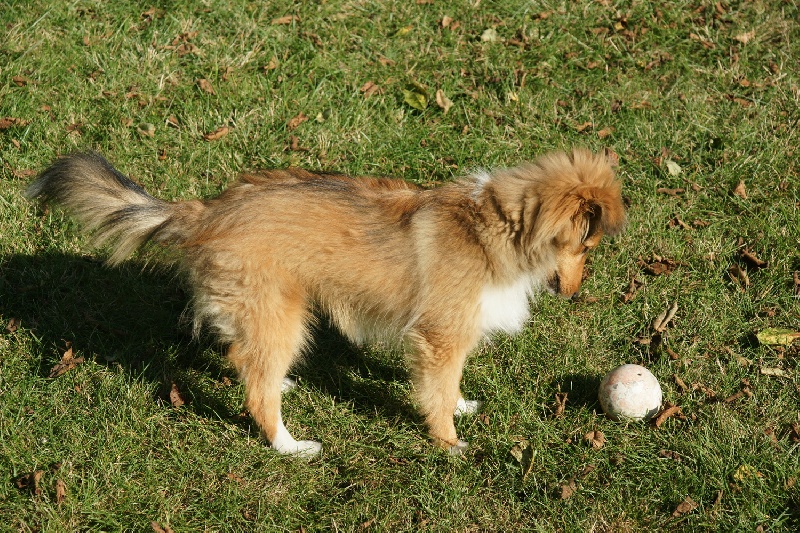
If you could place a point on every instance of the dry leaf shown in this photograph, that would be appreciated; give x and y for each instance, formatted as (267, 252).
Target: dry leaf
(605, 132)
(668, 411)
(30, 481)
(370, 88)
(568, 489)
(661, 322)
(680, 383)
(13, 325)
(561, 404)
(205, 85)
(20, 81)
(67, 363)
(595, 438)
(146, 129)
(176, 398)
(777, 336)
(669, 454)
(686, 506)
(633, 287)
(9, 122)
(288, 19)
(295, 121)
(612, 157)
(443, 101)
(490, 35)
(522, 451)
(658, 266)
(581, 127)
(751, 260)
(796, 283)
(775, 372)
(673, 168)
(218, 133)
(294, 144)
(740, 190)
(61, 491)
(739, 276)
(745, 38)
(446, 21)
(672, 192)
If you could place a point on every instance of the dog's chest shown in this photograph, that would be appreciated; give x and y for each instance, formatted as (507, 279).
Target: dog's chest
(505, 307)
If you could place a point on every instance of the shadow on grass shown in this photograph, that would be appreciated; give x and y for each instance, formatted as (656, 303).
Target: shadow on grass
(137, 317)
(581, 389)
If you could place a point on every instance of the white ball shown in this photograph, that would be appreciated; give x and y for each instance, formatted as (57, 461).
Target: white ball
(630, 391)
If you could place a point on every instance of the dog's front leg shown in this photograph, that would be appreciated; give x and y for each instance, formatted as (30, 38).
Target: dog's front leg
(437, 367)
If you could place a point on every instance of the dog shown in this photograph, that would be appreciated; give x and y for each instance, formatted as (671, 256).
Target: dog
(439, 268)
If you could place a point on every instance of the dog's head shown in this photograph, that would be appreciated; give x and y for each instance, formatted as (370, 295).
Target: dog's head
(555, 211)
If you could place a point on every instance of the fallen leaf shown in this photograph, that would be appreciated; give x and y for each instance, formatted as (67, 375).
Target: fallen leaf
(13, 325)
(294, 144)
(30, 482)
(67, 363)
(416, 96)
(443, 101)
(405, 30)
(658, 266)
(668, 411)
(739, 276)
(740, 190)
(661, 322)
(272, 65)
(446, 21)
(745, 472)
(176, 398)
(673, 168)
(490, 35)
(295, 121)
(748, 257)
(595, 438)
(681, 384)
(20, 81)
(672, 192)
(745, 38)
(146, 129)
(796, 283)
(561, 404)
(218, 133)
(368, 523)
(9, 122)
(795, 434)
(385, 61)
(633, 288)
(669, 454)
(612, 157)
(676, 222)
(744, 391)
(288, 19)
(523, 452)
(61, 491)
(205, 85)
(581, 127)
(568, 489)
(774, 372)
(777, 336)
(235, 477)
(605, 132)
(370, 88)
(686, 506)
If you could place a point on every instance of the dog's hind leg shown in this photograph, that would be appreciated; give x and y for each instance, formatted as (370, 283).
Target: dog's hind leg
(274, 334)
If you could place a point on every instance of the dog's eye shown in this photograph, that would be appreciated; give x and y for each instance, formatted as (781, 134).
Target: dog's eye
(585, 250)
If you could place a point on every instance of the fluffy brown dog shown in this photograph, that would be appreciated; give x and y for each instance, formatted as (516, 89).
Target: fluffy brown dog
(438, 268)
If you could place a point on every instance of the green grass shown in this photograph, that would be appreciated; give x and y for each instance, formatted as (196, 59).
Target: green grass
(674, 81)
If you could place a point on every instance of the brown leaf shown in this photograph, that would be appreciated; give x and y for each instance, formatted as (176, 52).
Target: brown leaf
(13, 325)
(75, 127)
(205, 85)
(446, 21)
(751, 260)
(669, 454)
(61, 491)
(686, 506)
(385, 61)
(218, 133)
(661, 322)
(176, 398)
(680, 383)
(443, 101)
(272, 65)
(739, 276)
(370, 88)
(796, 282)
(296, 121)
(158, 528)
(612, 157)
(30, 482)
(795, 434)
(568, 489)
(740, 190)
(605, 132)
(671, 192)
(10, 122)
(595, 438)
(667, 411)
(288, 19)
(67, 363)
(677, 222)
(561, 404)
(658, 266)
(745, 38)
(294, 144)
(581, 127)
(20, 81)
(633, 288)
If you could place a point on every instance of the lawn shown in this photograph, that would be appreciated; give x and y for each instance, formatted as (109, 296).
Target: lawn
(142, 427)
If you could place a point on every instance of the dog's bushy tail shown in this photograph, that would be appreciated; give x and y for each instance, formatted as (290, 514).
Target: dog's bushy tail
(113, 207)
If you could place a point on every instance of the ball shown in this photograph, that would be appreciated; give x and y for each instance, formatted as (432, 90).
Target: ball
(630, 392)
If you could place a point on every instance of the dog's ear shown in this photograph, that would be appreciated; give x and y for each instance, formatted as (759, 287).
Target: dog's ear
(601, 209)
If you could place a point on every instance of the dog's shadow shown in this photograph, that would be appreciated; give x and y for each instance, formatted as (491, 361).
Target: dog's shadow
(581, 390)
(136, 316)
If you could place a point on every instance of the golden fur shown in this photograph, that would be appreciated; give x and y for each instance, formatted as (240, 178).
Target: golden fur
(438, 268)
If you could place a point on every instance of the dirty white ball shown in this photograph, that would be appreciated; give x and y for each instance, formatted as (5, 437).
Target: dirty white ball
(630, 391)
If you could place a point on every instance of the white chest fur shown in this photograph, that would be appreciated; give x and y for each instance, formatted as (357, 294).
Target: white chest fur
(506, 307)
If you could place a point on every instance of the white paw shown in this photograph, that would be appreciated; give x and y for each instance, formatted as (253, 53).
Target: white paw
(467, 407)
(304, 449)
(458, 449)
(288, 384)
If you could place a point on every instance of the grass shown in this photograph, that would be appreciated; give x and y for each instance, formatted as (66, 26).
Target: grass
(710, 86)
